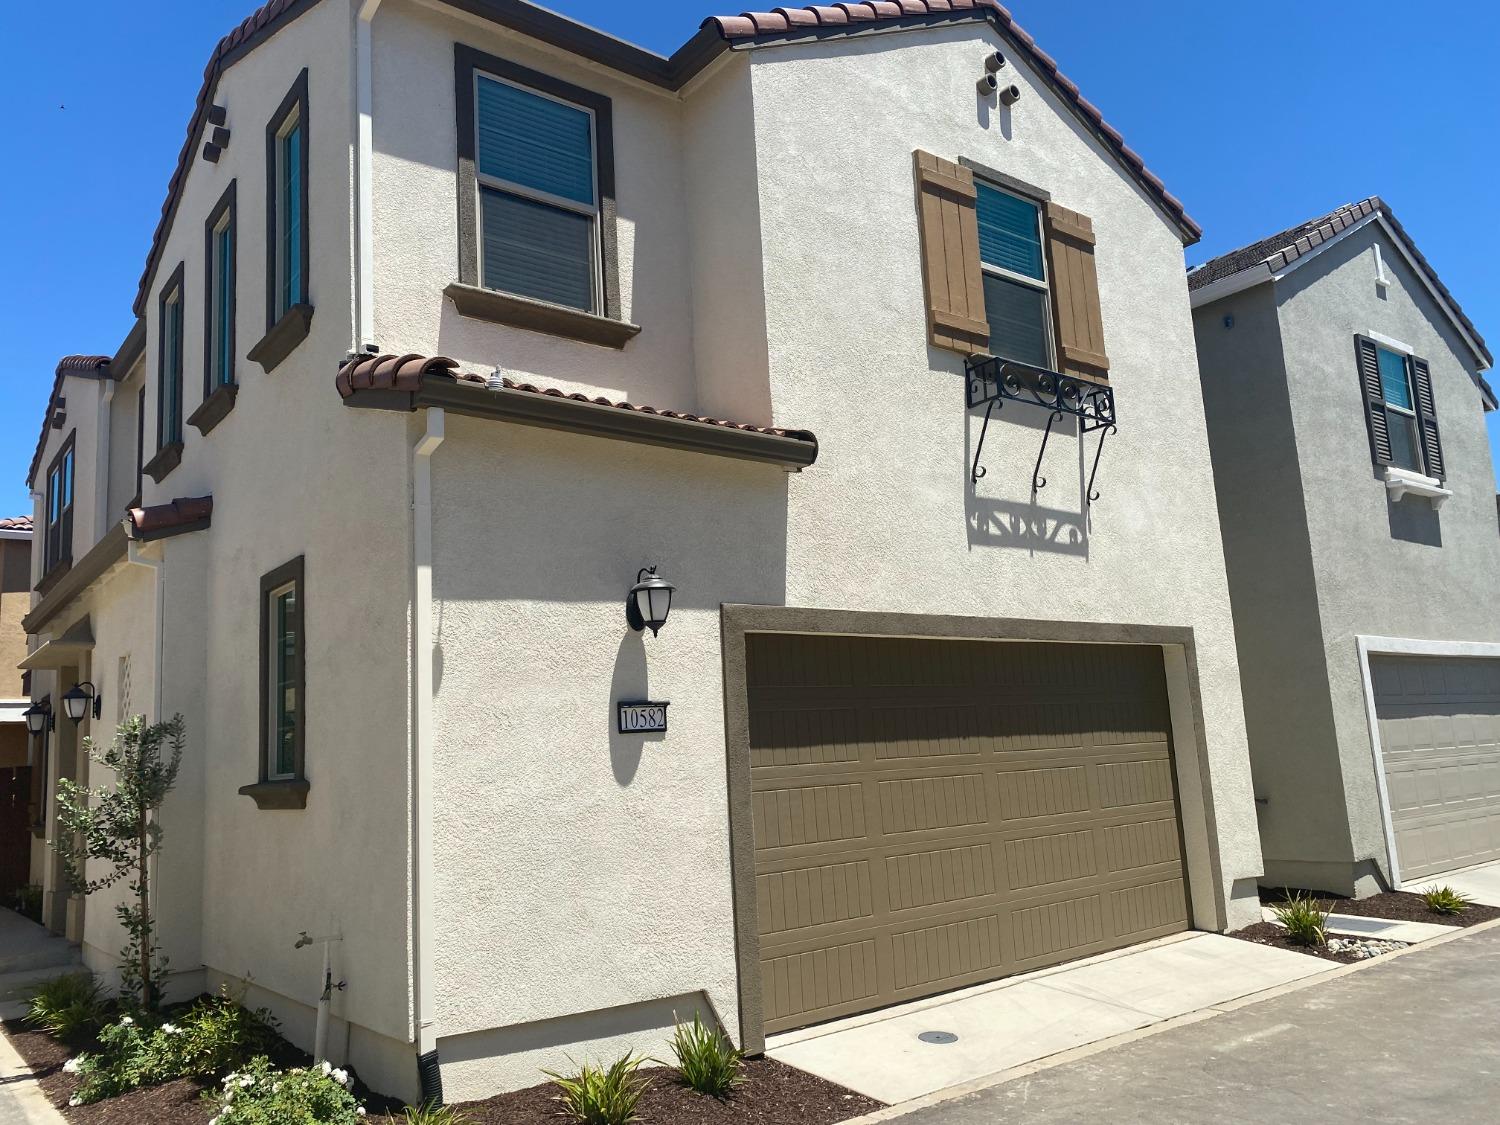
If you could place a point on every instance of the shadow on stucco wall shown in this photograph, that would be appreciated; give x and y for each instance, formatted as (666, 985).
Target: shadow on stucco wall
(630, 681)
(1415, 521)
(1001, 509)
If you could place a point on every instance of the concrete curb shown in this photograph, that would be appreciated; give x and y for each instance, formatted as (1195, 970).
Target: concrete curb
(1001, 1077)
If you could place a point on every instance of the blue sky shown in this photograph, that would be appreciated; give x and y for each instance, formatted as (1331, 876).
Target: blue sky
(1256, 115)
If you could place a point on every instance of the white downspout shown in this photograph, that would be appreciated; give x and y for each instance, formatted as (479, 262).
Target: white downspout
(423, 985)
(364, 207)
(159, 566)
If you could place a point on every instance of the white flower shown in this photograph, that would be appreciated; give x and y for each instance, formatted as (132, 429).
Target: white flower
(327, 1067)
(70, 1067)
(246, 1082)
(75, 1102)
(359, 1111)
(126, 1020)
(171, 1029)
(340, 1076)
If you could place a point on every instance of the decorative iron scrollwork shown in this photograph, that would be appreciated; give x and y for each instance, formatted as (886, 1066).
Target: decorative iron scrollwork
(991, 381)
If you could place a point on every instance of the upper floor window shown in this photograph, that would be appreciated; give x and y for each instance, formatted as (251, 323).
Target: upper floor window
(58, 542)
(169, 391)
(1015, 276)
(1399, 409)
(282, 652)
(538, 199)
(219, 294)
(286, 188)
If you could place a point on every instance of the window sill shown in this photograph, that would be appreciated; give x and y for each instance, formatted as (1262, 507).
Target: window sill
(167, 458)
(283, 337)
(215, 408)
(54, 576)
(1404, 482)
(539, 316)
(289, 794)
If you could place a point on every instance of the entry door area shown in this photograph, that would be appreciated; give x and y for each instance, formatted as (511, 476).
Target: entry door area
(931, 814)
(1440, 748)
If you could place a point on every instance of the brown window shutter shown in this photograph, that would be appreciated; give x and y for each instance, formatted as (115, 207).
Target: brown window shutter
(1076, 316)
(948, 226)
(1432, 446)
(1375, 419)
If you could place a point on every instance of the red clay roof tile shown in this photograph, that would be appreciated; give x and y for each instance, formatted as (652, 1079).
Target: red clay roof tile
(157, 520)
(15, 523)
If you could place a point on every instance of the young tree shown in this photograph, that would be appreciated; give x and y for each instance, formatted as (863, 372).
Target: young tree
(116, 826)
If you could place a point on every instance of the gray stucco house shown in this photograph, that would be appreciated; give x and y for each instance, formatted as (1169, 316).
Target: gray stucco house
(1345, 404)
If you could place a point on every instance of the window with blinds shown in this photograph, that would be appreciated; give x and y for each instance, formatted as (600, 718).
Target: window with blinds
(1015, 276)
(538, 194)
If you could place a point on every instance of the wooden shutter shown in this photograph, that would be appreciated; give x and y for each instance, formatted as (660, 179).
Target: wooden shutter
(1432, 446)
(948, 226)
(1369, 382)
(1076, 316)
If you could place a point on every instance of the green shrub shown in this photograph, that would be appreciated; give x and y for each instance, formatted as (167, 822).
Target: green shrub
(1305, 922)
(1445, 900)
(259, 1094)
(29, 901)
(600, 1096)
(70, 1007)
(706, 1059)
(435, 1115)
(212, 1036)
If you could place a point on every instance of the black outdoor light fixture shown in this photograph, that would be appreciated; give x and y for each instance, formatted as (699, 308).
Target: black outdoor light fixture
(38, 717)
(76, 699)
(649, 601)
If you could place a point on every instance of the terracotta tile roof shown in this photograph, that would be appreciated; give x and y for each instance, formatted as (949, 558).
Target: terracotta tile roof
(15, 523)
(1274, 254)
(407, 372)
(82, 363)
(794, 22)
(160, 520)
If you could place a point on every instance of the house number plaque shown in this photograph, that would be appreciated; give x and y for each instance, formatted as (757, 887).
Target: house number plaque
(642, 716)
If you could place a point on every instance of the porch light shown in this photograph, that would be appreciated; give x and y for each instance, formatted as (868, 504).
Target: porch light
(37, 716)
(649, 601)
(76, 699)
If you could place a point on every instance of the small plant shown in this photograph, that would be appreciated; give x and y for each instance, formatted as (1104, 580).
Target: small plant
(602, 1096)
(29, 901)
(69, 1007)
(1445, 900)
(707, 1061)
(435, 1115)
(259, 1094)
(1306, 923)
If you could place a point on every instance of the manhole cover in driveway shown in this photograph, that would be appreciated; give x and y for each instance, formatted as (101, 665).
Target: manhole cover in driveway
(938, 1037)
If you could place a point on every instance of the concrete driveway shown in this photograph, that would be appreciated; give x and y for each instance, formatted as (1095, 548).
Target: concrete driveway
(1482, 884)
(1411, 1039)
(1013, 1022)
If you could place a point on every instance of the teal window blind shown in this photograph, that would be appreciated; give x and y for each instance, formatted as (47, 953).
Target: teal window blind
(1394, 385)
(535, 250)
(535, 142)
(171, 375)
(1401, 422)
(223, 306)
(1010, 235)
(290, 147)
(285, 652)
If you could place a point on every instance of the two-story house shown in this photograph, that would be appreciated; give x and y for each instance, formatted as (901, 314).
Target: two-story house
(1346, 413)
(858, 324)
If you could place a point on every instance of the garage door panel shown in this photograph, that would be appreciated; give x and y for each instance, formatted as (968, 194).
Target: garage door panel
(1439, 723)
(934, 825)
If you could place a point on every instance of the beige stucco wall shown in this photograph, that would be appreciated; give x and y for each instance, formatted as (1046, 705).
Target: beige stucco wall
(15, 601)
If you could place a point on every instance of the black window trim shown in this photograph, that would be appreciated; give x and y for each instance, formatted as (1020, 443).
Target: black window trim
(269, 792)
(296, 99)
(175, 283)
(469, 60)
(226, 207)
(64, 558)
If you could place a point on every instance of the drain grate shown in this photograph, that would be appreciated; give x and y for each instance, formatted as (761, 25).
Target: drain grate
(938, 1037)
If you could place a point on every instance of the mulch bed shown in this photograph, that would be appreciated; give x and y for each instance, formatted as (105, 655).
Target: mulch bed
(1398, 906)
(771, 1094)
(1269, 933)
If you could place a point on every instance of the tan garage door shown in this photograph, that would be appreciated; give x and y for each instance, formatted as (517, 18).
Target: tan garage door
(931, 814)
(1440, 742)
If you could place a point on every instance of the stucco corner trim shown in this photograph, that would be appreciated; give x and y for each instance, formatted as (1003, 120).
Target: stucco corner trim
(283, 338)
(540, 316)
(290, 794)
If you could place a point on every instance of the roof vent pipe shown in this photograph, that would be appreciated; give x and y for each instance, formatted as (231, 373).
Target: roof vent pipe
(1010, 95)
(994, 62)
(988, 84)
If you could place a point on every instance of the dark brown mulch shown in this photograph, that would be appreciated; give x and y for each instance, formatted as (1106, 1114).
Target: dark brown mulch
(1269, 933)
(772, 1094)
(1398, 906)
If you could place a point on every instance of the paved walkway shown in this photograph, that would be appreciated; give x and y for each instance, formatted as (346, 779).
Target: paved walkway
(1412, 1039)
(21, 1099)
(1482, 884)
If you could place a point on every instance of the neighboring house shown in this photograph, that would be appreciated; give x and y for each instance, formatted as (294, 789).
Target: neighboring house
(17, 812)
(945, 702)
(1346, 418)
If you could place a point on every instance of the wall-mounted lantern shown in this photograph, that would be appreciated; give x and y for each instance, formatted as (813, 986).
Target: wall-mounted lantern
(76, 699)
(38, 717)
(649, 601)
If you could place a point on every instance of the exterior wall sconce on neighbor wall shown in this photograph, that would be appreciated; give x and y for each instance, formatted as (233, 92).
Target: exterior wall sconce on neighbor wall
(77, 698)
(649, 601)
(38, 717)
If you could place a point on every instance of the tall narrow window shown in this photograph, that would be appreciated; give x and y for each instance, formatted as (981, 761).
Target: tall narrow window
(58, 536)
(538, 196)
(1015, 276)
(286, 200)
(169, 384)
(219, 295)
(1395, 389)
(283, 672)
(140, 442)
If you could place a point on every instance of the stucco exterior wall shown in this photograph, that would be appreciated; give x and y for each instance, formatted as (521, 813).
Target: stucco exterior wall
(15, 601)
(1392, 569)
(1273, 591)
(122, 441)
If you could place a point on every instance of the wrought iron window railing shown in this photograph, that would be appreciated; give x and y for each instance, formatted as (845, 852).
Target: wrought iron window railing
(992, 381)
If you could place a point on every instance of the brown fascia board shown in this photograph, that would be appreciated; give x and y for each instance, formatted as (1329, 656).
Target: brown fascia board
(101, 557)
